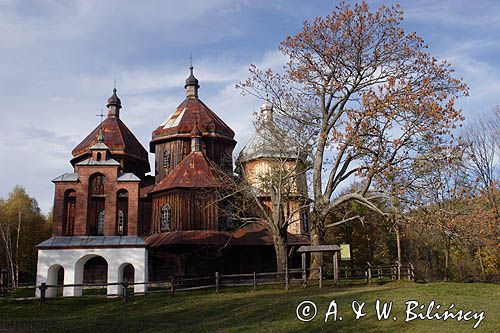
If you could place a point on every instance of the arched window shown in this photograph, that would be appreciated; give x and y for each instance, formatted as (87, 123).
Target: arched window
(100, 223)
(166, 159)
(121, 212)
(121, 222)
(69, 212)
(166, 215)
(98, 156)
(97, 184)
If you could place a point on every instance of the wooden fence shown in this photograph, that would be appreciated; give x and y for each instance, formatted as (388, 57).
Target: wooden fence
(218, 281)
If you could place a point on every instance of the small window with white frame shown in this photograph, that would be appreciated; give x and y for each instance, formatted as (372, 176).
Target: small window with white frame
(166, 215)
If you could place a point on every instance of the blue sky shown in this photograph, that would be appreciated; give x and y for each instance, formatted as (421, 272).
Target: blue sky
(58, 61)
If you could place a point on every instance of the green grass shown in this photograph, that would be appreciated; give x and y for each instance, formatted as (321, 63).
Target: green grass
(269, 309)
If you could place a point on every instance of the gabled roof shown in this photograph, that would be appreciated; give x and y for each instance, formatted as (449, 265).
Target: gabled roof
(128, 177)
(117, 137)
(184, 118)
(99, 146)
(90, 161)
(194, 171)
(66, 177)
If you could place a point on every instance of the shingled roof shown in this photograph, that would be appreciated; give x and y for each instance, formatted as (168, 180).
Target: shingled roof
(194, 171)
(183, 119)
(117, 137)
(254, 234)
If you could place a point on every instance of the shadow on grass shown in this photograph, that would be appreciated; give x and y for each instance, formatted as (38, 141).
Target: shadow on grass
(268, 309)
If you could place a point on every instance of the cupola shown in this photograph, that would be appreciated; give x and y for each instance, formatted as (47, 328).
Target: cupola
(192, 85)
(114, 105)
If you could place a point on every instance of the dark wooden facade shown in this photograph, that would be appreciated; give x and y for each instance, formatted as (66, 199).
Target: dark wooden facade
(192, 209)
(168, 154)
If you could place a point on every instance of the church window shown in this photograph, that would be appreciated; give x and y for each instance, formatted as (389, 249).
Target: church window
(100, 223)
(121, 212)
(121, 222)
(166, 215)
(97, 184)
(99, 156)
(69, 212)
(166, 159)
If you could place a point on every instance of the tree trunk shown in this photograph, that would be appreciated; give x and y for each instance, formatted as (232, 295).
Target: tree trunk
(480, 261)
(398, 241)
(17, 243)
(8, 249)
(281, 253)
(316, 257)
(447, 258)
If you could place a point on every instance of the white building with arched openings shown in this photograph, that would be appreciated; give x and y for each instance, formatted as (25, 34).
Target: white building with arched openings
(64, 260)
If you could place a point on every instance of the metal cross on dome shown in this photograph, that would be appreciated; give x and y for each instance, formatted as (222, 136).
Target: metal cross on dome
(100, 115)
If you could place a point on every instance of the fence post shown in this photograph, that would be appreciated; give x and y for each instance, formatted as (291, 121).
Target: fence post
(368, 272)
(254, 282)
(217, 281)
(43, 288)
(412, 278)
(172, 285)
(4, 282)
(286, 278)
(304, 270)
(335, 269)
(320, 277)
(125, 290)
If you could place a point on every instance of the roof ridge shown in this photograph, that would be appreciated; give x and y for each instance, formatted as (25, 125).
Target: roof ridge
(176, 180)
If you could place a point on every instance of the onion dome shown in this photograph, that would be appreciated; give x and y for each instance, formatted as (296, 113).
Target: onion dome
(114, 100)
(191, 80)
(191, 85)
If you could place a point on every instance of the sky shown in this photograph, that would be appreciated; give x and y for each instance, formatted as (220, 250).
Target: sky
(58, 61)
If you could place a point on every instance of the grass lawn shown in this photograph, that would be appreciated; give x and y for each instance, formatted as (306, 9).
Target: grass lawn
(269, 309)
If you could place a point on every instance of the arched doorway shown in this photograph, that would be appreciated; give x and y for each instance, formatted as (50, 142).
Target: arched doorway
(90, 269)
(126, 271)
(55, 276)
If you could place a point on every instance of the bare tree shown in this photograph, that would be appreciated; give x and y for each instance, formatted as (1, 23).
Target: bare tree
(370, 96)
(271, 187)
(482, 152)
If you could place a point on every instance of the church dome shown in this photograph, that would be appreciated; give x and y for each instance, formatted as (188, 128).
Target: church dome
(114, 100)
(113, 133)
(191, 80)
(190, 113)
(263, 144)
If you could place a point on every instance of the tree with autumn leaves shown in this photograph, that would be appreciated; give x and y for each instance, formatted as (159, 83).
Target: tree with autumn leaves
(371, 99)
(22, 226)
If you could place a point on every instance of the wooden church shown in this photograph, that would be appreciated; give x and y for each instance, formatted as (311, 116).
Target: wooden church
(112, 220)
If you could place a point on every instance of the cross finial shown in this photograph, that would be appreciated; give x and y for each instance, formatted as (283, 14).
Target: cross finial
(100, 115)
(100, 136)
(190, 60)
